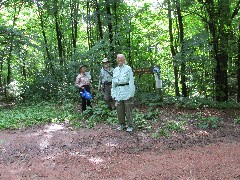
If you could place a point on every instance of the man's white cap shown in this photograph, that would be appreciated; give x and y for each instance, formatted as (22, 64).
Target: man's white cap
(105, 60)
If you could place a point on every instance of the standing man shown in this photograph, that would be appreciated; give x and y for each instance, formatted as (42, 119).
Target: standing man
(105, 83)
(123, 90)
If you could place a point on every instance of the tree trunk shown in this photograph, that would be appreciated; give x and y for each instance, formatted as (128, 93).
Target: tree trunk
(129, 40)
(117, 40)
(110, 29)
(58, 34)
(99, 22)
(49, 58)
(219, 24)
(238, 66)
(9, 58)
(181, 38)
(222, 53)
(24, 72)
(88, 26)
(173, 51)
(1, 73)
(74, 18)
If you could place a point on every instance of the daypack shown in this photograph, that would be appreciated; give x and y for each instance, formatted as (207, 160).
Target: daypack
(85, 94)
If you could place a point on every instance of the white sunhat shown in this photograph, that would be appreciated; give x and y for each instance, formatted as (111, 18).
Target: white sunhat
(105, 60)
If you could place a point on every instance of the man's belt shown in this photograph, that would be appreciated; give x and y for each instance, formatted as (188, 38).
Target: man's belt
(123, 84)
(108, 83)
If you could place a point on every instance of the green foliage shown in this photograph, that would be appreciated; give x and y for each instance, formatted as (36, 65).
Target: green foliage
(33, 47)
(160, 132)
(208, 122)
(153, 99)
(144, 120)
(237, 120)
(169, 127)
(99, 113)
(149, 99)
(24, 115)
(140, 121)
(175, 126)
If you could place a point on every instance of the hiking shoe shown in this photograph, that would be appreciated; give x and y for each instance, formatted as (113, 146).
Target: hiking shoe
(120, 127)
(129, 129)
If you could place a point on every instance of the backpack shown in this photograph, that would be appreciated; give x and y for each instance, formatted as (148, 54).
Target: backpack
(85, 94)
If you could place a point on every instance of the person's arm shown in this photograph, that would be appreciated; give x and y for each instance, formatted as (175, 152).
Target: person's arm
(114, 85)
(78, 81)
(131, 83)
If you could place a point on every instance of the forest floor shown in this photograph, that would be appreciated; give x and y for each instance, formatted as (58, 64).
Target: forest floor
(57, 151)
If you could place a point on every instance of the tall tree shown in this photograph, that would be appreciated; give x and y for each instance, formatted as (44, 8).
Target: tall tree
(17, 8)
(49, 58)
(181, 39)
(238, 65)
(74, 18)
(99, 21)
(110, 28)
(173, 50)
(59, 35)
(89, 26)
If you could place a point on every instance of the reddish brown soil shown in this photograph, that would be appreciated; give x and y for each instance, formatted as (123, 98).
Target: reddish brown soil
(58, 152)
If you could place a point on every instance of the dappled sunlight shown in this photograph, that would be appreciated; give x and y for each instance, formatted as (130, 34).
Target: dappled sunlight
(44, 142)
(53, 128)
(95, 160)
(111, 144)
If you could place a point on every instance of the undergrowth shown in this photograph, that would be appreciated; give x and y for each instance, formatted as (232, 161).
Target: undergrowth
(153, 99)
(24, 115)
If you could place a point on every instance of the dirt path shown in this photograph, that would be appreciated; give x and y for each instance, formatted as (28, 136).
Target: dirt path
(56, 152)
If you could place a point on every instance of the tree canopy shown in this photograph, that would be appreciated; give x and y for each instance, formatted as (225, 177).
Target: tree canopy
(195, 42)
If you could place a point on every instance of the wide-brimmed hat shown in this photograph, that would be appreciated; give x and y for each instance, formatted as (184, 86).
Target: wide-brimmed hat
(83, 65)
(105, 60)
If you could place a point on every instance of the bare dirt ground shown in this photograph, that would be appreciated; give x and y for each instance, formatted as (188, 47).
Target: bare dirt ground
(56, 151)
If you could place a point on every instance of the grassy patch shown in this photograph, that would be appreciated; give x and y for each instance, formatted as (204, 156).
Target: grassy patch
(28, 115)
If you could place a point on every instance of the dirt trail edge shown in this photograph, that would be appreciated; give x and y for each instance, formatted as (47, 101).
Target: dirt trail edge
(56, 152)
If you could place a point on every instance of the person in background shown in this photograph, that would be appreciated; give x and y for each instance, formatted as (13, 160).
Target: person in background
(83, 82)
(123, 90)
(105, 83)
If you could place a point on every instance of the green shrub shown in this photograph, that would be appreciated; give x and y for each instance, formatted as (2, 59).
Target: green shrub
(143, 120)
(169, 127)
(154, 99)
(24, 115)
(175, 126)
(237, 120)
(140, 121)
(208, 122)
(161, 132)
(96, 114)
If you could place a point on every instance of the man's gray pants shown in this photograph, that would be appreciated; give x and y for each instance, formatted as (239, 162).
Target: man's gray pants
(124, 110)
(107, 97)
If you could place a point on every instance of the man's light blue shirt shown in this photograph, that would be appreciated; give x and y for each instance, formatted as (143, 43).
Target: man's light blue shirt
(123, 75)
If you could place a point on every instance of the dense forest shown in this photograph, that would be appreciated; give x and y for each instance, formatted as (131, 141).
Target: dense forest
(196, 44)
(186, 126)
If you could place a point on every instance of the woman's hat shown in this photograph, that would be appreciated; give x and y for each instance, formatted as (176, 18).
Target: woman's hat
(83, 65)
(105, 60)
